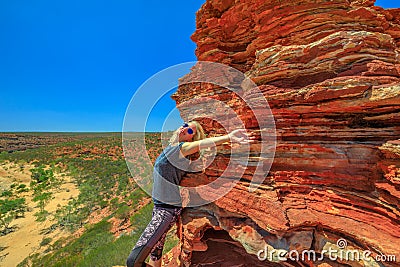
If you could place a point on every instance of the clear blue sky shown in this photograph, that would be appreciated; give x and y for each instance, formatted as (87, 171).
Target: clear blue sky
(74, 65)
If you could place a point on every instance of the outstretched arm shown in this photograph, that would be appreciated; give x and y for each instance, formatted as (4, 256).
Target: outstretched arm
(236, 136)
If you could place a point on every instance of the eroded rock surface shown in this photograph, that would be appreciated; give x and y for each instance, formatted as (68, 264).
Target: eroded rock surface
(330, 71)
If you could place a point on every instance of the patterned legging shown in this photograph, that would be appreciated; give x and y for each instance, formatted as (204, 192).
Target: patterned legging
(152, 239)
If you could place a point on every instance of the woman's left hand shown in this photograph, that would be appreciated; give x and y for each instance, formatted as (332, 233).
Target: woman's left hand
(241, 136)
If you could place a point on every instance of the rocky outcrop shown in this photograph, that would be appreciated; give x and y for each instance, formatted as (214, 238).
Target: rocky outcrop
(11, 142)
(330, 71)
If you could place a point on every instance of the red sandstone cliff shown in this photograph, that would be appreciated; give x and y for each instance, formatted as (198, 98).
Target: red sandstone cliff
(330, 71)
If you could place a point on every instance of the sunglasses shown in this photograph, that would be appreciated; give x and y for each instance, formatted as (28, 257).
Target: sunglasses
(190, 130)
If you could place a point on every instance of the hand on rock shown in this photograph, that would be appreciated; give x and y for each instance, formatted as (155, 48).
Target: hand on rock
(241, 136)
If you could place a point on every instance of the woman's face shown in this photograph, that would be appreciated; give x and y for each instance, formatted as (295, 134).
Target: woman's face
(186, 132)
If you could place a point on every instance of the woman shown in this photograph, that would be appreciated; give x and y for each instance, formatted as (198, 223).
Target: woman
(169, 169)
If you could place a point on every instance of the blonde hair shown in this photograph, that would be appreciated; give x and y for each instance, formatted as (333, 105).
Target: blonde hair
(199, 160)
(200, 135)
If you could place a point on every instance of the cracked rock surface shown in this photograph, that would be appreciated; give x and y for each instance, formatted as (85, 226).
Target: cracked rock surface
(330, 71)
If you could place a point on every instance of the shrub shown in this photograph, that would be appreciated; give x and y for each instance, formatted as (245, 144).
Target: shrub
(137, 194)
(122, 212)
(10, 209)
(42, 181)
(45, 241)
(114, 202)
(6, 193)
(21, 186)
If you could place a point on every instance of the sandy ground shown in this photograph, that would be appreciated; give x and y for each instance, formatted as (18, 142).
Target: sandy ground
(10, 173)
(27, 238)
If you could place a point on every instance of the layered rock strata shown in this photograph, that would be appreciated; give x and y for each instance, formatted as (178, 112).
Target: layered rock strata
(330, 71)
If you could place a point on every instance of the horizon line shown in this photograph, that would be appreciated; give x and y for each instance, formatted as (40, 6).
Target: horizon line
(69, 132)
